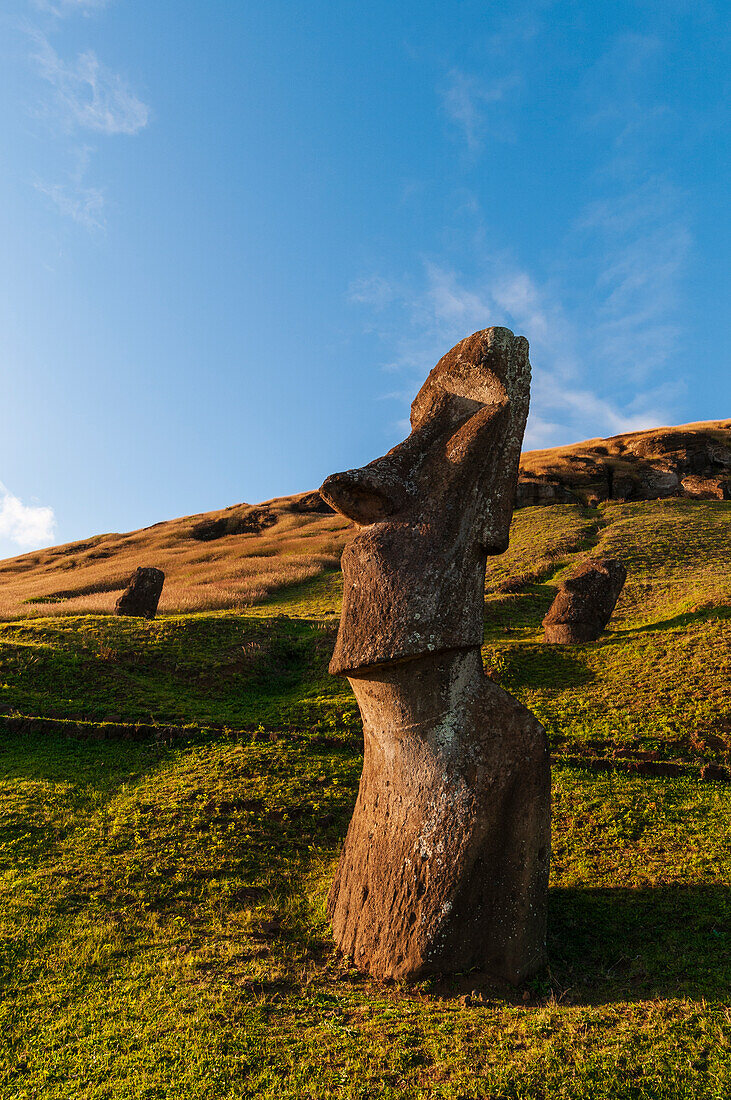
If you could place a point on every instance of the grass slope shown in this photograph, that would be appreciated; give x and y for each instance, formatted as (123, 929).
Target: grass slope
(231, 558)
(239, 556)
(162, 927)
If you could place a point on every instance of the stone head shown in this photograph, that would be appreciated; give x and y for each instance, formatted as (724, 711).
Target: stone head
(433, 508)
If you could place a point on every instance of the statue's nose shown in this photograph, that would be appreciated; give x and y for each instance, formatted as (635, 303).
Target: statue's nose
(369, 494)
(382, 488)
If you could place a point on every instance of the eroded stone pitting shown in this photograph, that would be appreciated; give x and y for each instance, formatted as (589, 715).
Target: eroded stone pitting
(445, 865)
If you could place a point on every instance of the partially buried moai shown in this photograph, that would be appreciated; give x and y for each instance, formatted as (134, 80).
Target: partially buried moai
(585, 601)
(445, 865)
(142, 595)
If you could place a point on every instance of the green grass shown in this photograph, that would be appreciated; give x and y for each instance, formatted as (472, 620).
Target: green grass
(164, 934)
(220, 668)
(162, 926)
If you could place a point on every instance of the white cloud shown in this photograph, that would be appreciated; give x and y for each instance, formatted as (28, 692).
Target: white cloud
(84, 205)
(605, 323)
(88, 95)
(606, 339)
(619, 88)
(29, 526)
(372, 291)
(645, 240)
(481, 102)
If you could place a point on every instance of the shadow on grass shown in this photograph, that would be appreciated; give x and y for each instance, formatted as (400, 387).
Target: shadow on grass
(523, 610)
(318, 596)
(545, 666)
(688, 618)
(93, 767)
(609, 945)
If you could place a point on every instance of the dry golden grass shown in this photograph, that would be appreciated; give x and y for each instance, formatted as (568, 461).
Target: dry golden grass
(228, 571)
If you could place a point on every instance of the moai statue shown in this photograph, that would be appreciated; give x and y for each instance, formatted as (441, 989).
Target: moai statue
(445, 865)
(585, 601)
(142, 594)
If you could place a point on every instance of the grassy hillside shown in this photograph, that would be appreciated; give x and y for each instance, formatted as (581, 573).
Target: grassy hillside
(162, 928)
(231, 558)
(237, 557)
(691, 460)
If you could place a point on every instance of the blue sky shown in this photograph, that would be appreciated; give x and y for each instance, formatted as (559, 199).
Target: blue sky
(237, 236)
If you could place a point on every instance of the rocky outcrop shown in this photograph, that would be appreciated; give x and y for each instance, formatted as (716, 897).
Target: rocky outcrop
(142, 595)
(691, 461)
(706, 488)
(249, 521)
(311, 502)
(445, 864)
(585, 601)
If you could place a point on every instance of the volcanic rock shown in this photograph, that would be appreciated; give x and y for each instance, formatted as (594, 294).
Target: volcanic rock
(531, 491)
(445, 865)
(311, 502)
(585, 601)
(707, 488)
(250, 521)
(142, 595)
(647, 465)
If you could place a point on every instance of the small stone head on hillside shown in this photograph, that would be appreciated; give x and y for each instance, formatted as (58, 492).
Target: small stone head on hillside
(433, 508)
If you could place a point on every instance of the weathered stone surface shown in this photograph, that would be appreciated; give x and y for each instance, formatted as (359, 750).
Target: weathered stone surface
(683, 451)
(622, 487)
(142, 595)
(657, 482)
(433, 508)
(445, 865)
(585, 601)
(532, 491)
(707, 488)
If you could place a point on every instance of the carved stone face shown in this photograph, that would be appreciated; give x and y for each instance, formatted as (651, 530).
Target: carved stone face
(433, 508)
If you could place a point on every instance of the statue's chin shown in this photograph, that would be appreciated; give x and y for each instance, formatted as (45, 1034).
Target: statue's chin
(407, 593)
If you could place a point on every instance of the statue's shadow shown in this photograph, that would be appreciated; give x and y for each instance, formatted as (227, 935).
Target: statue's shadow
(608, 944)
(546, 666)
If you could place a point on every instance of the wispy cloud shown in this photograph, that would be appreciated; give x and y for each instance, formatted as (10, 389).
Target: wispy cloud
(84, 205)
(28, 526)
(74, 198)
(62, 8)
(576, 391)
(478, 96)
(88, 95)
(619, 88)
(466, 99)
(645, 238)
(373, 291)
(604, 313)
